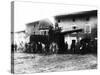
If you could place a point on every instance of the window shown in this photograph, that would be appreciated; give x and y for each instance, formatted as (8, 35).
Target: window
(88, 28)
(73, 19)
(87, 18)
(58, 20)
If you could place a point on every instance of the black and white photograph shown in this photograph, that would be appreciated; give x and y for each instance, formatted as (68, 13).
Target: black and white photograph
(50, 37)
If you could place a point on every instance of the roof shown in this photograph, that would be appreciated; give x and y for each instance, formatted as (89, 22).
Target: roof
(20, 31)
(77, 15)
(23, 31)
(43, 24)
(32, 23)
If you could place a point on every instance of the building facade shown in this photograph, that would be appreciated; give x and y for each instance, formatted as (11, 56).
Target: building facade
(38, 28)
(85, 20)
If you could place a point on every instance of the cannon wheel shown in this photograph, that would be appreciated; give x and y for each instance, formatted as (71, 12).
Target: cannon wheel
(53, 48)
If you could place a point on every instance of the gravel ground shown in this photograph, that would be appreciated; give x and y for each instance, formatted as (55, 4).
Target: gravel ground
(32, 63)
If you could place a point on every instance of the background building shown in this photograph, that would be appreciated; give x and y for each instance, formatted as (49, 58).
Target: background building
(85, 20)
(38, 27)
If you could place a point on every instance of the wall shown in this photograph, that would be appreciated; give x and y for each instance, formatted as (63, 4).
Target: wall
(67, 24)
(80, 23)
(31, 29)
(20, 39)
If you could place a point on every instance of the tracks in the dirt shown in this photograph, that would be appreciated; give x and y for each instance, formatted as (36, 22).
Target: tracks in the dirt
(31, 63)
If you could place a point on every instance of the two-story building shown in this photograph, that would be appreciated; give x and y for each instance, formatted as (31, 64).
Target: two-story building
(86, 20)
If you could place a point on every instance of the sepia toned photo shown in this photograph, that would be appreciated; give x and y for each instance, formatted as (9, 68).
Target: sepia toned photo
(49, 37)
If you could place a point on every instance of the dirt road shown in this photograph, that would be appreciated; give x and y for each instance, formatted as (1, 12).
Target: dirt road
(32, 63)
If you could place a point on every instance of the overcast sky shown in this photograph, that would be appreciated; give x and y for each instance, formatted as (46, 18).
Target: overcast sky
(25, 12)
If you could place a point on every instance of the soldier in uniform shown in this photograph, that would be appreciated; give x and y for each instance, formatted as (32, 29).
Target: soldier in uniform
(73, 45)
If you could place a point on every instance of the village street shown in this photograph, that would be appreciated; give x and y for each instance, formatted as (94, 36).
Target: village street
(32, 63)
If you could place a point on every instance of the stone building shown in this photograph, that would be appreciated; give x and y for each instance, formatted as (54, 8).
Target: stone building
(86, 20)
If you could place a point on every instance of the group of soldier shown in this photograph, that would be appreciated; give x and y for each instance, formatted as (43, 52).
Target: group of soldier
(83, 46)
(40, 48)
